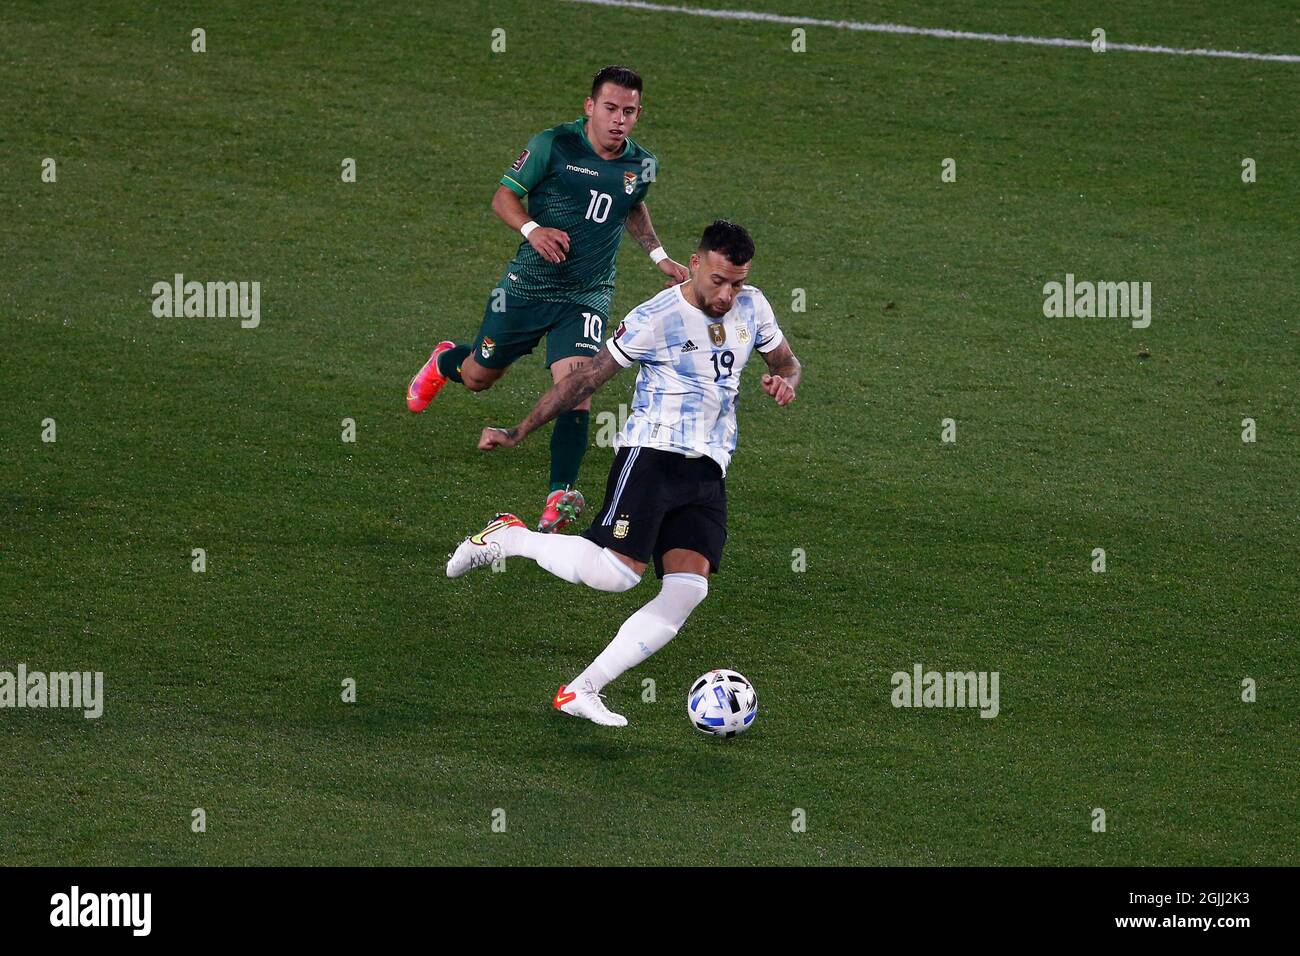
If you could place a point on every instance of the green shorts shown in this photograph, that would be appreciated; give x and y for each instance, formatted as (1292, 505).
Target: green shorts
(512, 327)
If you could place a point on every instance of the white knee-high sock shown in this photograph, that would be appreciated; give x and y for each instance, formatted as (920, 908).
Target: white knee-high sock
(571, 557)
(648, 629)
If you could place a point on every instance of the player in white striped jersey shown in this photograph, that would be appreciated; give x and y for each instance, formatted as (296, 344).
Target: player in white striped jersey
(666, 497)
(686, 389)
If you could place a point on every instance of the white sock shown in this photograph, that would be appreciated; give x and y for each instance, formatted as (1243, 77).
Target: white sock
(571, 557)
(648, 629)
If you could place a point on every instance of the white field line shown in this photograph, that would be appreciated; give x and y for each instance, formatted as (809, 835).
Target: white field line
(932, 32)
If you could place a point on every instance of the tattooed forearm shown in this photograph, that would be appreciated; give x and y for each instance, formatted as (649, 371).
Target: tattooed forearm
(567, 392)
(781, 361)
(561, 397)
(640, 228)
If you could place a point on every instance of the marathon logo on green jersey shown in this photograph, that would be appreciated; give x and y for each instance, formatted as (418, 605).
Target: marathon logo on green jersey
(519, 163)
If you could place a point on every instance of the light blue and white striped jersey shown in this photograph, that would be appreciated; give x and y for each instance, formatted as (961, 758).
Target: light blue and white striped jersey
(687, 385)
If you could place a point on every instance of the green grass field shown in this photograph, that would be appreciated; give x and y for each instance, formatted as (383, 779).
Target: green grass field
(1119, 690)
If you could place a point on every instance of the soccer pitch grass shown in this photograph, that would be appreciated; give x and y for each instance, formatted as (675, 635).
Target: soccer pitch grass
(1120, 690)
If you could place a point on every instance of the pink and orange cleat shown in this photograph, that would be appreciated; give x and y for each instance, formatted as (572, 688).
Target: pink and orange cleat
(428, 381)
(562, 509)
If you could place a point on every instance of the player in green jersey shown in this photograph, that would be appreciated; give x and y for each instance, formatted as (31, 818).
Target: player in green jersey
(585, 182)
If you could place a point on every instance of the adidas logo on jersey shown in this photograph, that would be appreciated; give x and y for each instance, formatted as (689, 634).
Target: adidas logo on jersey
(688, 347)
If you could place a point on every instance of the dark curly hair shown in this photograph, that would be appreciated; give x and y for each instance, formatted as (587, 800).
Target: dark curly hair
(730, 239)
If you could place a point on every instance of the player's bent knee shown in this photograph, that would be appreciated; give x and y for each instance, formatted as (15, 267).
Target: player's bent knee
(622, 584)
(476, 377)
(683, 592)
(476, 383)
(619, 576)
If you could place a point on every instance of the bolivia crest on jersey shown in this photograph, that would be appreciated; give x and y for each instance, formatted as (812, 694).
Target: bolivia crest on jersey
(629, 182)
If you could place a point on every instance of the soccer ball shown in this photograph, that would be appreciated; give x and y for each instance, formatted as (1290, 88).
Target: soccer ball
(722, 703)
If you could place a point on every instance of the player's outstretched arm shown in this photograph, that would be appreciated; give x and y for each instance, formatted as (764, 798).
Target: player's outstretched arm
(561, 397)
(640, 228)
(784, 373)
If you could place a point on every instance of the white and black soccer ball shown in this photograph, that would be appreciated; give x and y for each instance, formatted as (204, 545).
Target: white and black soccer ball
(722, 703)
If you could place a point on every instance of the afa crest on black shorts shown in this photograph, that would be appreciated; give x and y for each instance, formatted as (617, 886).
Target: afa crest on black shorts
(658, 500)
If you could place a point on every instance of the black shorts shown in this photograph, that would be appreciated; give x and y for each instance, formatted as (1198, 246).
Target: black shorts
(659, 500)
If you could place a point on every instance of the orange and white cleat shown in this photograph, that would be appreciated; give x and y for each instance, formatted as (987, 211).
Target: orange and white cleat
(562, 509)
(482, 548)
(428, 381)
(586, 702)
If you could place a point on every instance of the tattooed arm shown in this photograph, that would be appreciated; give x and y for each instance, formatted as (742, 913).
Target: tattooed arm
(561, 397)
(640, 228)
(784, 375)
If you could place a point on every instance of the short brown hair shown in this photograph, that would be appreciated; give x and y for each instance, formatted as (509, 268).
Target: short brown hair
(618, 75)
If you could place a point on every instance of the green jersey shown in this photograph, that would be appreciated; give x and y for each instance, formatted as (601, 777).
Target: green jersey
(570, 187)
